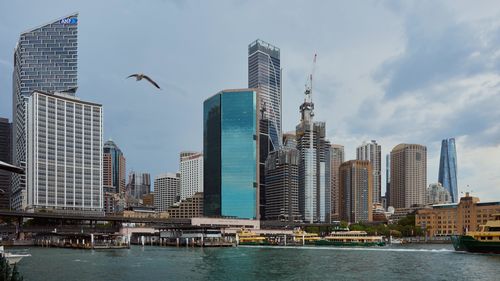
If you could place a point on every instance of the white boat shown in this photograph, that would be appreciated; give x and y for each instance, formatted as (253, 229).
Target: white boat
(12, 258)
(395, 240)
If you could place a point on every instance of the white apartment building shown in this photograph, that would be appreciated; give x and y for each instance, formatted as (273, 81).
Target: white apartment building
(64, 153)
(191, 181)
(166, 190)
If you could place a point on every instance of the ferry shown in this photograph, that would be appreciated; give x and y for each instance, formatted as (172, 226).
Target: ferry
(484, 240)
(247, 237)
(346, 237)
(300, 236)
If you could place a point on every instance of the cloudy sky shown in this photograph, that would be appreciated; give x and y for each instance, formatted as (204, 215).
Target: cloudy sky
(414, 72)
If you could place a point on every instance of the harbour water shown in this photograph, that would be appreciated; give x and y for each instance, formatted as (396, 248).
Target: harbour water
(405, 262)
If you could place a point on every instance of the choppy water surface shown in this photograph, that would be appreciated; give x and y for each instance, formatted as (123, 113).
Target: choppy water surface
(414, 262)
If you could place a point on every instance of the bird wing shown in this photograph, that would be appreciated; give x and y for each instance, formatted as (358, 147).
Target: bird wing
(151, 81)
(133, 75)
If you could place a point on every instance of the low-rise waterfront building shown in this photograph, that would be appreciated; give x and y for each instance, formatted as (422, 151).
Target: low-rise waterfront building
(148, 200)
(456, 218)
(190, 207)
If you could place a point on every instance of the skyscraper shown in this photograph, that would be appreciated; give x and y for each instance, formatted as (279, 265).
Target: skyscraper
(355, 192)
(166, 190)
(5, 156)
(230, 154)
(408, 175)
(114, 167)
(448, 168)
(282, 185)
(191, 174)
(387, 180)
(313, 172)
(64, 153)
(139, 184)
(371, 151)
(264, 72)
(336, 159)
(45, 59)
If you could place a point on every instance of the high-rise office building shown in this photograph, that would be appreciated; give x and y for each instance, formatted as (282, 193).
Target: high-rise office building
(314, 172)
(166, 190)
(336, 159)
(408, 175)
(230, 154)
(372, 152)
(139, 184)
(45, 59)
(282, 185)
(114, 167)
(191, 174)
(64, 153)
(448, 168)
(264, 73)
(387, 180)
(356, 190)
(5, 156)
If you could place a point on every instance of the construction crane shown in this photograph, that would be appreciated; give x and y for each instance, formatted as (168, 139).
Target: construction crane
(309, 83)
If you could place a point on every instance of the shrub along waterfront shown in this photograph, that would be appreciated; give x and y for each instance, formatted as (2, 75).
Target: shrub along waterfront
(404, 228)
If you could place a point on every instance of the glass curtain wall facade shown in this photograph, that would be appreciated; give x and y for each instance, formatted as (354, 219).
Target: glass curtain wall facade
(264, 72)
(117, 166)
(45, 59)
(448, 168)
(230, 132)
(5, 156)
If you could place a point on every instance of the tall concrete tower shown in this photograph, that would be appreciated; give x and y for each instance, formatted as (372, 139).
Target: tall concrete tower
(372, 152)
(314, 183)
(408, 175)
(336, 159)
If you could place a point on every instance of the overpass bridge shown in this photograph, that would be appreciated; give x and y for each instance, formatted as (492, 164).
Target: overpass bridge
(92, 217)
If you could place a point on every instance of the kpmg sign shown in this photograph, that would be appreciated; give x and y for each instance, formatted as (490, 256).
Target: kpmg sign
(69, 21)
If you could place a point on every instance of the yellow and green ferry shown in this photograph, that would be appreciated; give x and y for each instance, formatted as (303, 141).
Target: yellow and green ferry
(247, 237)
(485, 240)
(346, 237)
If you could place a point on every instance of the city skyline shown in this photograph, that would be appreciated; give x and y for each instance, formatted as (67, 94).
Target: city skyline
(345, 129)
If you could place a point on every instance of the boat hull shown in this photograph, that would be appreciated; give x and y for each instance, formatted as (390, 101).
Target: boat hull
(254, 243)
(469, 244)
(348, 244)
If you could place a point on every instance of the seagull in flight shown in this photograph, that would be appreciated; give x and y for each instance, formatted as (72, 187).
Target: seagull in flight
(140, 76)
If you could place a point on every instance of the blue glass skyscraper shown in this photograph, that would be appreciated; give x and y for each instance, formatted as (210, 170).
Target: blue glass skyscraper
(45, 59)
(448, 168)
(230, 158)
